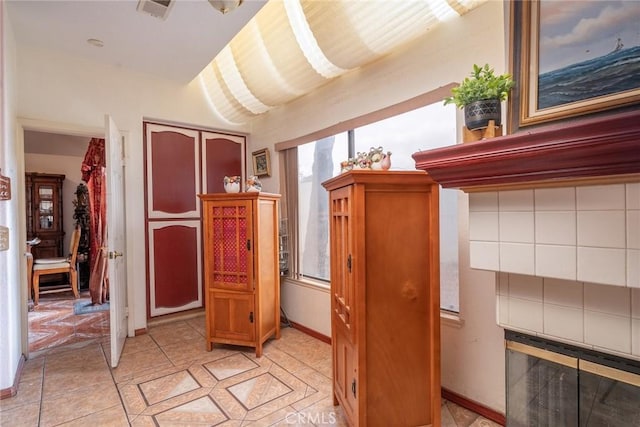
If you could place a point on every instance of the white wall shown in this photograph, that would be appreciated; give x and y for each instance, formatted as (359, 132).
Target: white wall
(58, 89)
(11, 261)
(69, 166)
(473, 354)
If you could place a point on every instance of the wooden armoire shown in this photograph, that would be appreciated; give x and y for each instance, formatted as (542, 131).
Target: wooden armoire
(43, 192)
(385, 298)
(241, 269)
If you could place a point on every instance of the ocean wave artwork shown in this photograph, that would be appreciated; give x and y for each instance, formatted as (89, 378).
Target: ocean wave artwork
(617, 71)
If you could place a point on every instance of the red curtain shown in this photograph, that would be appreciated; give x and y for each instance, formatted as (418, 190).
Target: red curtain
(93, 173)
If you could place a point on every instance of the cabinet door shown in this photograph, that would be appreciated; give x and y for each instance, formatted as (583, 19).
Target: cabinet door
(232, 316)
(231, 245)
(342, 262)
(47, 216)
(343, 301)
(345, 374)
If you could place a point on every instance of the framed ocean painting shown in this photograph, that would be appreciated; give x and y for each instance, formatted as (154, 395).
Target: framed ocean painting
(572, 58)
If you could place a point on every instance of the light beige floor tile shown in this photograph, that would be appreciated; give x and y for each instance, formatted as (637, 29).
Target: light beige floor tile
(21, 416)
(483, 422)
(139, 343)
(110, 417)
(75, 377)
(285, 360)
(463, 417)
(176, 401)
(169, 386)
(202, 411)
(174, 333)
(78, 403)
(446, 419)
(143, 421)
(229, 403)
(29, 391)
(168, 378)
(136, 364)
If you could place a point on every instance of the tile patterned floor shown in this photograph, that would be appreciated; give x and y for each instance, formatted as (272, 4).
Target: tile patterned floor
(53, 324)
(167, 378)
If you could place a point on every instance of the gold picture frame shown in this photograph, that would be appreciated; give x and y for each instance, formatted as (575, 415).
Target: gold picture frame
(261, 162)
(560, 77)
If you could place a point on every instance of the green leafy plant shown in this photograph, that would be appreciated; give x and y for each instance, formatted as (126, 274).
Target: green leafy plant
(483, 84)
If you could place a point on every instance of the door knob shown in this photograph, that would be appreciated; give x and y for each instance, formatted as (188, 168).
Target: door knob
(114, 254)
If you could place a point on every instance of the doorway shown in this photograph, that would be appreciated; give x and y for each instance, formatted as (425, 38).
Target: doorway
(58, 320)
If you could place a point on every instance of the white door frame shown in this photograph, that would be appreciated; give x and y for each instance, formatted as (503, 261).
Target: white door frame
(65, 129)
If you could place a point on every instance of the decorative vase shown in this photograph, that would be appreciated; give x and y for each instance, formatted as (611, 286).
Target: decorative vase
(232, 184)
(253, 184)
(386, 161)
(478, 113)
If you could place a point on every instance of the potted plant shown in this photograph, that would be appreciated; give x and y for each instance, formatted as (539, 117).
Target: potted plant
(480, 96)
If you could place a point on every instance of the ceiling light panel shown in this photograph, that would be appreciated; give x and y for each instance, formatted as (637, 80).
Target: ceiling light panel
(307, 41)
(292, 47)
(256, 67)
(283, 48)
(208, 85)
(223, 99)
(229, 71)
(336, 35)
(383, 25)
(442, 10)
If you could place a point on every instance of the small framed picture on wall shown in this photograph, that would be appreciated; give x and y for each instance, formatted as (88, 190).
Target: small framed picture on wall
(261, 163)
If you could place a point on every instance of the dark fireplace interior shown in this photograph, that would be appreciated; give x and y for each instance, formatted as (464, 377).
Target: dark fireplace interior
(555, 384)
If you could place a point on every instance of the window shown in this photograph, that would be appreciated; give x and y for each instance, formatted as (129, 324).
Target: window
(424, 128)
(317, 162)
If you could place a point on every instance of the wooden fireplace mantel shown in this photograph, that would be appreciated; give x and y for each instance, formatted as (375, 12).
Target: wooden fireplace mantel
(596, 150)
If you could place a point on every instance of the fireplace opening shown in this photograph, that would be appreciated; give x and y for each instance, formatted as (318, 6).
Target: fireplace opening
(555, 384)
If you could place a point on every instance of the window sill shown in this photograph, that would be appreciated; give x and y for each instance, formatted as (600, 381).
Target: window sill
(452, 320)
(447, 318)
(309, 283)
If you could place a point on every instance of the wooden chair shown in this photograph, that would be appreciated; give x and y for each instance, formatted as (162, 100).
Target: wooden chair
(45, 266)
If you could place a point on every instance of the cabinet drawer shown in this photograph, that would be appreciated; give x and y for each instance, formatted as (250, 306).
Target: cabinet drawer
(47, 243)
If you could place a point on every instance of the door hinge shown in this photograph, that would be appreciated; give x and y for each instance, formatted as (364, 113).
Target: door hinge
(251, 317)
(353, 387)
(248, 245)
(126, 311)
(349, 263)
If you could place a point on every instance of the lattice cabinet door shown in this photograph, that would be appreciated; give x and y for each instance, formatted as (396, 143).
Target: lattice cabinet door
(231, 245)
(342, 291)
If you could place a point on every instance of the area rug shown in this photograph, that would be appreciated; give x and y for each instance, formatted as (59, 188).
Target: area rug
(84, 306)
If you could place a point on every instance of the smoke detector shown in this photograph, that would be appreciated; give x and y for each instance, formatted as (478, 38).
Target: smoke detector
(157, 8)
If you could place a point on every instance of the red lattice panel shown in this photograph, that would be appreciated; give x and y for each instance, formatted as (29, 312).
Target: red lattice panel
(229, 245)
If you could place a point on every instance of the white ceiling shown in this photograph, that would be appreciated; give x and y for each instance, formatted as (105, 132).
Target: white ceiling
(177, 48)
(55, 144)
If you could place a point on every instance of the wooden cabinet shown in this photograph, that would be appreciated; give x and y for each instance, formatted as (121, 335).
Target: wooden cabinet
(242, 278)
(385, 299)
(44, 214)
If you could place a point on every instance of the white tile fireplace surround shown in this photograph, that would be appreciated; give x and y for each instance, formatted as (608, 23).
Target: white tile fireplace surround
(555, 212)
(568, 262)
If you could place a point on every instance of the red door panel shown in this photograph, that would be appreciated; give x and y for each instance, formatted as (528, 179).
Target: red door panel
(175, 266)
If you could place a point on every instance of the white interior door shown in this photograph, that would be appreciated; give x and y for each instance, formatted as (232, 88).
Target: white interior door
(116, 243)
